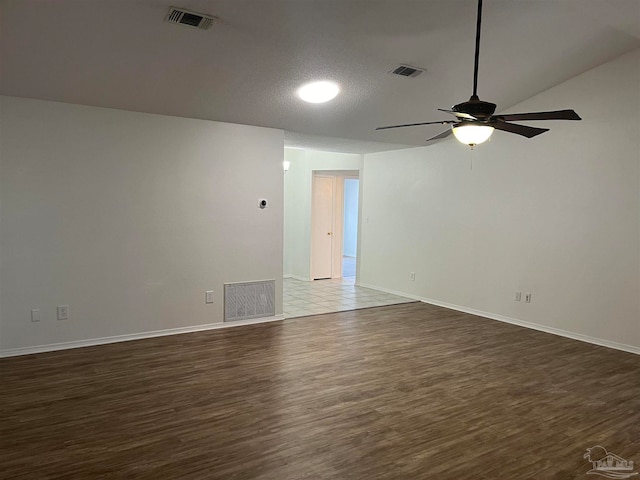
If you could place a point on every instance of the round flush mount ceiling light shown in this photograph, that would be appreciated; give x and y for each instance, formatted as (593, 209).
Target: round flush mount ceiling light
(318, 92)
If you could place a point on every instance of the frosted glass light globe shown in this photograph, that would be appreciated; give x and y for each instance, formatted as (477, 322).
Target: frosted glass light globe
(472, 134)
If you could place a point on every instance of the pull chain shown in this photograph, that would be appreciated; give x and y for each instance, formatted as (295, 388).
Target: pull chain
(471, 159)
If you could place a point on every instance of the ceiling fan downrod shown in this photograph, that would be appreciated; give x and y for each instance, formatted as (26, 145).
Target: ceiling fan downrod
(476, 120)
(477, 56)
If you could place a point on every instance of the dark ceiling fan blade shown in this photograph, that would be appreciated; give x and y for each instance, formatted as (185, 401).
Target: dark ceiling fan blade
(466, 116)
(555, 115)
(442, 122)
(481, 113)
(444, 134)
(523, 130)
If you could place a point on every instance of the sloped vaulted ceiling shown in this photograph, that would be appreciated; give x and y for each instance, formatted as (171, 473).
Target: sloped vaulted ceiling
(121, 54)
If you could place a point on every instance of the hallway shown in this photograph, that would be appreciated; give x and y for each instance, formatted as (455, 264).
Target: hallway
(336, 295)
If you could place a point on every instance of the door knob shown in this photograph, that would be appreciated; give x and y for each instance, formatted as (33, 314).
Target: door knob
(328, 233)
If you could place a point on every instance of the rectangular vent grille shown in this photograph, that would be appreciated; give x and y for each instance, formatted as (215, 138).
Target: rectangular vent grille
(406, 71)
(249, 300)
(190, 19)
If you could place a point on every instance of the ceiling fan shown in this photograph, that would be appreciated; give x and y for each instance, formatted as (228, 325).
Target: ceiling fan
(475, 120)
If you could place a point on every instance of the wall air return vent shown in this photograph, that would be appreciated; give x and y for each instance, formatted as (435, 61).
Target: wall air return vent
(190, 19)
(406, 71)
(249, 300)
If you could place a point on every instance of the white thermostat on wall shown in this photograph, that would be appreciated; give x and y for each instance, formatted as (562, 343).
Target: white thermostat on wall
(263, 203)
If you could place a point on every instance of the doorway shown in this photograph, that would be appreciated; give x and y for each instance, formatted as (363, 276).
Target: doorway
(334, 224)
(350, 227)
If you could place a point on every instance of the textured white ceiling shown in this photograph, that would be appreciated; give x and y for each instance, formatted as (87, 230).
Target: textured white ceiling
(121, 54)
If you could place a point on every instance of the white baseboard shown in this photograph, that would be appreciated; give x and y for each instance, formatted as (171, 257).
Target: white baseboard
(13, 352)
(295, 277)
(514, 321)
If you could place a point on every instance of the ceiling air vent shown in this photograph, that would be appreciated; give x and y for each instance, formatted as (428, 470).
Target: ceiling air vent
(406, 71)
(190, 19)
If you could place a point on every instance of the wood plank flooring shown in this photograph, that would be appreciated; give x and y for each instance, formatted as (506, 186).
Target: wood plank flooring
(408, 391)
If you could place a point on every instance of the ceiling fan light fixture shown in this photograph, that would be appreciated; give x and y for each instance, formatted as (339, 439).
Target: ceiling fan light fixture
(475, 119)
(318, 92)
(472, 134)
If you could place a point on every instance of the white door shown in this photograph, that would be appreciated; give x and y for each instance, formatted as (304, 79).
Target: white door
(322, 227)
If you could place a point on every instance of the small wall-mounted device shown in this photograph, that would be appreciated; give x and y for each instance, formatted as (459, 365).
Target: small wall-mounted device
(263, 203)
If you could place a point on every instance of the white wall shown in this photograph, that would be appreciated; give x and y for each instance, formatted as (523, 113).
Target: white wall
(128, 218)
(557, 216)
(297, 212)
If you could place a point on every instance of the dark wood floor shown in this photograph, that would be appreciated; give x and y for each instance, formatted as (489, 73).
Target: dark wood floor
(403, 392)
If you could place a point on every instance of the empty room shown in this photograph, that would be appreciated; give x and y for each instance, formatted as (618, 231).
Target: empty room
(319, 239)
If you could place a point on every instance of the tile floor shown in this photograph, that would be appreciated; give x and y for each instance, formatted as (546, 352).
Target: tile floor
(335, 295)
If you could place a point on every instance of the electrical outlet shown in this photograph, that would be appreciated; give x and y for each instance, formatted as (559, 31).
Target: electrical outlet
(412, 276)
(35, 315)
(208, 297)
(63, 312)
(527, 297)
(518, 296)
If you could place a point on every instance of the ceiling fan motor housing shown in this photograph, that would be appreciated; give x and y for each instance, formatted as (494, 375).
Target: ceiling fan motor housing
(480, 115)
(476, 107)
